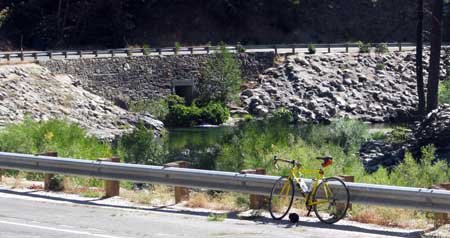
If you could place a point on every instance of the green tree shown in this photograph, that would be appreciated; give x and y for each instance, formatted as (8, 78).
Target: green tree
(221, 78)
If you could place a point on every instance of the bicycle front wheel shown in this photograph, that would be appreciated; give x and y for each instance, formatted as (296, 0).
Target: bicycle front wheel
(330, 203)
(281, 198)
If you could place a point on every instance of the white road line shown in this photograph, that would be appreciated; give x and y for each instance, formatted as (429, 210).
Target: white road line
(60, 230)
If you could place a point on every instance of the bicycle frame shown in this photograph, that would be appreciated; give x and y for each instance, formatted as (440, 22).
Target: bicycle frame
(296, 174)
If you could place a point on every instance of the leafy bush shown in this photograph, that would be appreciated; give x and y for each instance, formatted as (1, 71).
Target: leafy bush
(221, 78)
(158, 108)
(186, 116)
(363, 47)
(284, 115)
(382, 48)
(69, 140)
(177, 47)
(398, 135)
(140, 147)
(379, 66)
(146, 48)
(444, 91)
(311, 48)
(240, 48)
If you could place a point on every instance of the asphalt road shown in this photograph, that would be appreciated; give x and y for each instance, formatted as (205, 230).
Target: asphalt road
(39, 214)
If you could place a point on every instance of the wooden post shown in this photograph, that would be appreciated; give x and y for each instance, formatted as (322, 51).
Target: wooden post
(80, 53)
(399, 46)
(112, 188)
(8, 57)
(276, 49)
(48, 177)
(441, 218)
(181, 193)
(191, 49)
(256, 201)
(65, 54)
(22, 57)
(329, 48)
(293, 49)
(346, 47)
(112, 54)
(96, 53)
(348, 178)
(50, 56)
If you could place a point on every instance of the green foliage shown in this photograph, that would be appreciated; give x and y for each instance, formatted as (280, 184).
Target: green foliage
(311, 48)
(240, 48)
(219, 217)
(379, 66)
(146, 48)
(378, 135)
(363, 47)
(69, 140)
(180, 115)
(424, 173)
(444, 91)
(382, 48)
(284, 115)
(398, 135)
(345, 132)
(140, 147)
(221, 78)
(177, 47)
(158, 108)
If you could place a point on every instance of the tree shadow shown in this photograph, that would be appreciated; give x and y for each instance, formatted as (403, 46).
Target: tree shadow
(231, 215)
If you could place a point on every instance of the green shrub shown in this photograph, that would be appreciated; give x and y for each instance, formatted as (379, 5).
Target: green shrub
(240, 48)
(311, 48)
(69, 140)
(214, 113)
(379, 66)
(444, 91)
(363, 47)
(378, 135)
(382, 48)
(146, 48)
(158, 108)
(177, 47)
(398, 135)
(283, 114)
(221, 78)
(140, 147)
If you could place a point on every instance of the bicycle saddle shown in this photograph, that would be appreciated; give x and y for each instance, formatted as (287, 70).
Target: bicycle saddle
(325, 158)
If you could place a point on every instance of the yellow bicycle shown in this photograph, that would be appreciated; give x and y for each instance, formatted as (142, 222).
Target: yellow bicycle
(328, 197)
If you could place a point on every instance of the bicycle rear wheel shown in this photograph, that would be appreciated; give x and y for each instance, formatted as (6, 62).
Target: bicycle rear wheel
(281, 198)
(331, 202)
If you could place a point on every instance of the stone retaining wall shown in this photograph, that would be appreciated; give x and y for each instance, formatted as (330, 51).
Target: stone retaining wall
(146, 77)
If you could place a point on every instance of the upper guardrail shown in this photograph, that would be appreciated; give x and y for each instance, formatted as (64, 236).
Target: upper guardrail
(276, 48)
(404, 197)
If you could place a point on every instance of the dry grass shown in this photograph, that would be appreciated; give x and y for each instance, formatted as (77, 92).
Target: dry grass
(220, 201)
(158, 195)
(391, 217)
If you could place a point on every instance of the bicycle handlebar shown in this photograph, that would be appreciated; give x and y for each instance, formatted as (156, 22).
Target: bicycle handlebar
(293, 162)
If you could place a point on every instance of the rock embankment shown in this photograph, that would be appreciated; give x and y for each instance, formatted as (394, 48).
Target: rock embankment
(32, 91)
(370, 87)
(434, 129)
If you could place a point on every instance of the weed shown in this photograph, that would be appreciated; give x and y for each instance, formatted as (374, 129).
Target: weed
(382, 48)
(311, 48)
(218, 217)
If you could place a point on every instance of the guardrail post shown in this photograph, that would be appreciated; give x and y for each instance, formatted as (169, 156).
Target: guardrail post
(346, 47)
(65, 54)
(348, 178)
(275, 49)
(256, 201)
(80, 53)
(8, 57)
(441, 218)
(112, 188)
(50, 55)
(128, 52)
(181, 193)
(399, 46)
(145, 51)
(35, 56)
(48, 177)
(191, 49)
(112, 53)
(22, 58)
(293, 49)
(329, 48)
(207, 49)
(96, 53)
(159, 51)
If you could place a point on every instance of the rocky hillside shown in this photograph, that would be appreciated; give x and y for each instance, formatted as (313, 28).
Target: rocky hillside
(371, 87)
(31, 90)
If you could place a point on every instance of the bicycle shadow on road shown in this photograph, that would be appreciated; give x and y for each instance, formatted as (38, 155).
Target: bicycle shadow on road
(231, 215)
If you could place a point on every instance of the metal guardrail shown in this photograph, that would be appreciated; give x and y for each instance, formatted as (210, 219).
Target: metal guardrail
(404, 197)
(276, 48)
